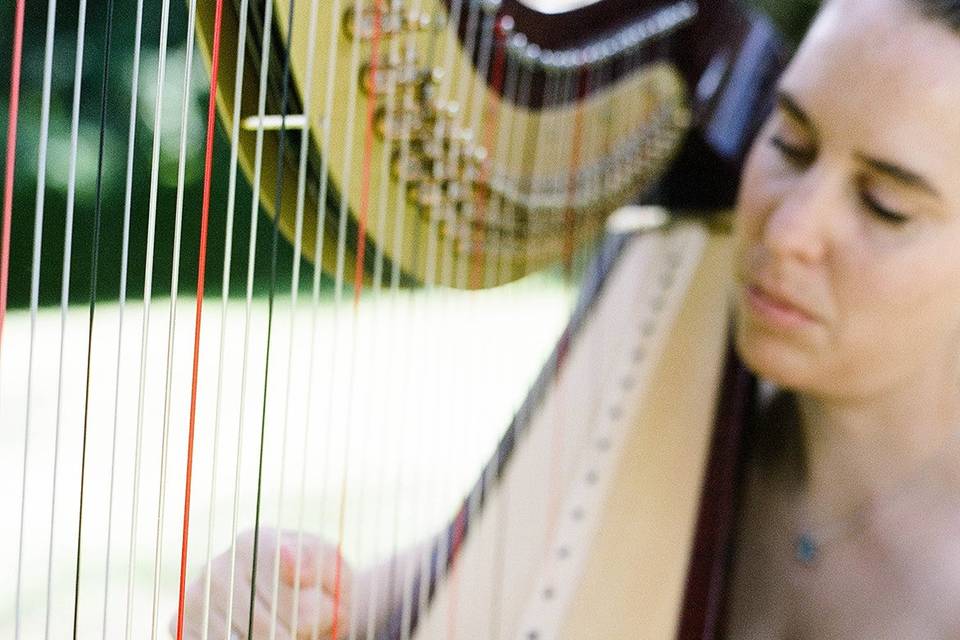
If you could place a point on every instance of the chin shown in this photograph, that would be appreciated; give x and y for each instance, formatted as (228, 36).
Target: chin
(775, 358)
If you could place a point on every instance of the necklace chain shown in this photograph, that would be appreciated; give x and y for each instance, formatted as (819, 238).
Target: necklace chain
(808, 541)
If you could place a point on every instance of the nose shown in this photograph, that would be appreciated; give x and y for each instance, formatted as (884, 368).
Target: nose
(799, 223)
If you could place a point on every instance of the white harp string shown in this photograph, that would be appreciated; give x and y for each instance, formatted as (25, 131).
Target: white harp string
(338, 300)
(147, 296)
(381, 472)
(35, 289)
(65, 291)
(294, 290)
(294, 296)
(172, 317)
(225, 294)
(320, 238)
(124, 258)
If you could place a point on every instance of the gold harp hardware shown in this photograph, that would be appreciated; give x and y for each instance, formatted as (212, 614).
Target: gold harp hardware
(466, 130)
(366, 23)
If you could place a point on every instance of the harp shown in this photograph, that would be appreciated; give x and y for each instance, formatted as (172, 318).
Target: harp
(419, 162)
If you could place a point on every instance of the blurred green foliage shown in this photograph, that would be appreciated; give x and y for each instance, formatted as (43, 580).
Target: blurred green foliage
(115, 160)
(791, 15)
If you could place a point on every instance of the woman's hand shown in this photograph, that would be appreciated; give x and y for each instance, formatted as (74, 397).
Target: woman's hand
(315, 603)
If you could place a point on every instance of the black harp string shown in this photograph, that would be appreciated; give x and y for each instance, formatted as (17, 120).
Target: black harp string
(65, 294)
(274, 242)
(94, 254)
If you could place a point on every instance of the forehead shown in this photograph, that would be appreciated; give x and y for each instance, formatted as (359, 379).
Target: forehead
(878, 76)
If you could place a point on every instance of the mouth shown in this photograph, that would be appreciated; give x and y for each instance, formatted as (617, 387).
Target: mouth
(776, 309)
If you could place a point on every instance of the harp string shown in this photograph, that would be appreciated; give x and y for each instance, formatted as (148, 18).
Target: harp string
(410, 569)
(364, 205)
(231, 209)
(124, 258)
(380, 466)
(201, 272)
(398, 575)
(365, 531)
(172, 317)
(508, 216)
(450, 264)
(251, 255)
(34, 280)
(570, 131)
(454, 236)
(278, 201)
(294, 310)
(440, 52)
(218, 415)
(147, 299)
(321, 215)
(65, 291)
(503, 260)
(274, 243)
(225, 294)
(11, 156)
(94, 254)
(341, 508)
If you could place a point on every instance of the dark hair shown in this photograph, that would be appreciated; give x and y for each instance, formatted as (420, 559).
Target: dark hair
(946, 11)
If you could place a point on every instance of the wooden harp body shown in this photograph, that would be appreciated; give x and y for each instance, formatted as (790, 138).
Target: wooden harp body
(415, 153)
(610, 558)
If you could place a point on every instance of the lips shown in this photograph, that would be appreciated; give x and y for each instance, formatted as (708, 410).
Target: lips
(776, 308)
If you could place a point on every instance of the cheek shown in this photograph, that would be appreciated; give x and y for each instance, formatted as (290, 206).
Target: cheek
(901, 313)
(751, 205)
(762, 183)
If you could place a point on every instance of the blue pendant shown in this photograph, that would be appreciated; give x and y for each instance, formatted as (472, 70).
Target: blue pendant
(805, 548)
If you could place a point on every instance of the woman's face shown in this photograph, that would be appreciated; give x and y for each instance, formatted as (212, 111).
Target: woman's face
(848, 226)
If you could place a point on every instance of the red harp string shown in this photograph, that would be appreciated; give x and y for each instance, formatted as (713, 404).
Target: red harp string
(201, 272)
(363, 212)
(11, 157)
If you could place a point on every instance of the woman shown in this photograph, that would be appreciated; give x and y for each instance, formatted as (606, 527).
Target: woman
(848, 269)
(849, 259)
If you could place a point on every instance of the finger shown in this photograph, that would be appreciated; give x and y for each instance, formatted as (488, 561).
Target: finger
(263, 621)
(216, 628)
(302, 555)
(196, 616)
(316, 616)
(333, 570)
(305, 608)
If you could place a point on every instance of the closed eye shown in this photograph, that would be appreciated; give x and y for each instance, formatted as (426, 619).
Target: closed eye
(796, 155)
(881, 212)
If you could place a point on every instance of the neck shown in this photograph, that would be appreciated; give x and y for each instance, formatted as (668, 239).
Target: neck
(860, 450)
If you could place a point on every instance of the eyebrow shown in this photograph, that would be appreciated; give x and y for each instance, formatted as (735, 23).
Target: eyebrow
(898, 173)
(789, 104)
(892, 170)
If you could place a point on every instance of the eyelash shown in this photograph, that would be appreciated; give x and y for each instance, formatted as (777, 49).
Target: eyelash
(801, 158)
